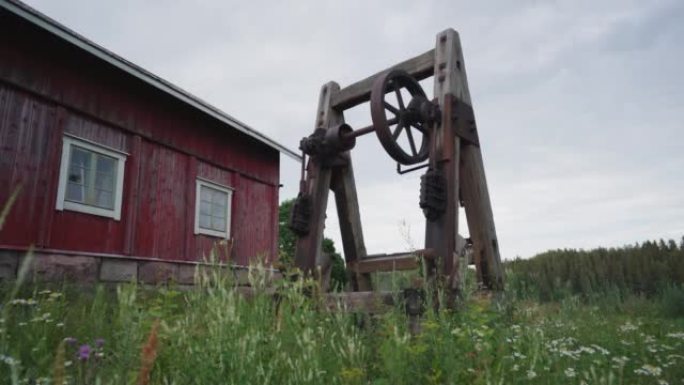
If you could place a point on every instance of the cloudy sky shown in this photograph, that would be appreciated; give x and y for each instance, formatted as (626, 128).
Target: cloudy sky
(580, 104)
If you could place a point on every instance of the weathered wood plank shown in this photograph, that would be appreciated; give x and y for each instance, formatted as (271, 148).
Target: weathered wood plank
(360, 301)
(478, 208)
(390, 262)
(420, 67)
(347, 202)
(387, 263)
(442, 233)
(308, 253)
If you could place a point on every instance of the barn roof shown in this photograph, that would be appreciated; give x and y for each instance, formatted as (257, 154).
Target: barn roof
(33, 16)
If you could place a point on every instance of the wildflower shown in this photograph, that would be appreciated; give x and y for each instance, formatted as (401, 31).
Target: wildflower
(602, 350)
(8, 360)
(60, 324)
(620, 361)
(519, 356)
(84, 352)
(627, 327)
(649, 370)
(531, 374)
(515, 368)
(26, 302)
(679, 335)
(99, 343)
(570, 372)
(70, 341)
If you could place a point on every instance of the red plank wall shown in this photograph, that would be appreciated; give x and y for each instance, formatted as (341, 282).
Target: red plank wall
(58, 89)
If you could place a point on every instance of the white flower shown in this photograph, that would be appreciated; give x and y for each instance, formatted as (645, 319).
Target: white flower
(649, 370)
(627, 327)
(8, 360)
(570, 372)
(515, 368)
(679, 335)
(531, 374)
(602, 350)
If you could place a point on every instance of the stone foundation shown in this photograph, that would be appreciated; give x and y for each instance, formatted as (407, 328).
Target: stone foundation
(92, 268)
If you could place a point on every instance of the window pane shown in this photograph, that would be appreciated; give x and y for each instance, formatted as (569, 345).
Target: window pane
(74, 192)
(205, 194)
(219, 198)
(104, 182)
(218, 224)
(91, 179)
(106, 171)
(205, 208)
(105, 164)
(105, 199)
(80, 157)
(205, 221)
(213, 209)
(218, 211)
(76, 175)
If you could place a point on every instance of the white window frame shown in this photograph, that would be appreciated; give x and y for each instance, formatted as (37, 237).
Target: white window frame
(63, 204)
(198, 198)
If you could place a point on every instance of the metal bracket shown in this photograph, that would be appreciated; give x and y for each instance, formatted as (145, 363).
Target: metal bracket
(408, 170)
(463, 119)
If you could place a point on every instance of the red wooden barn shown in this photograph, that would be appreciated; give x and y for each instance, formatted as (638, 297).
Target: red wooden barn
(121, 174)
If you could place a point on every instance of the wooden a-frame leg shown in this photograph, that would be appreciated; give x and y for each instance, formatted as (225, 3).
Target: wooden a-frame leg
(441, 234)
(308, 254)
(347, 202)
(480, 219)
(474, 192)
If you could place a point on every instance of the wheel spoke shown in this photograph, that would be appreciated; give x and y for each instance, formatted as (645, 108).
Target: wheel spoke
(390, 107)
(411, 142)
(419, 127)
(400, 100)
(397, 131)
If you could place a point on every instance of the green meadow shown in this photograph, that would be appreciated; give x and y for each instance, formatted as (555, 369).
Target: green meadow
(545, 329)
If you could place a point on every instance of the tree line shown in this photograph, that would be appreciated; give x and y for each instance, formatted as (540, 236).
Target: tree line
(644, 269)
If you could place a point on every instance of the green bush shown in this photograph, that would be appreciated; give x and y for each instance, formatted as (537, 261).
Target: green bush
(673, 301)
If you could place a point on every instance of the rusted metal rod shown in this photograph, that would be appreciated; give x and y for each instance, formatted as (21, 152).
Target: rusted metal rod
(369, 129)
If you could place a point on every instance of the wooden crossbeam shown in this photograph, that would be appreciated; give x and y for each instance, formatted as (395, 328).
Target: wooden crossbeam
(360, 301)
(390, 262)
(420, 67)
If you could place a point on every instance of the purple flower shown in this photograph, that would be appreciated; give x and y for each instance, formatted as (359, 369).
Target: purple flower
(84, 352)
(99, 343)
(70, 341)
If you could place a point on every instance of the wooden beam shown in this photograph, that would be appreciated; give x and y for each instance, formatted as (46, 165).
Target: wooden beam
(360, 301)
(347, 201)
(390, 262)
(478, 208)
(441, 234)
(420, 67)
(308, 253)
(387, 263)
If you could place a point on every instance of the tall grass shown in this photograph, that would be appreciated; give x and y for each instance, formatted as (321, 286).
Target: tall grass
(214, 334)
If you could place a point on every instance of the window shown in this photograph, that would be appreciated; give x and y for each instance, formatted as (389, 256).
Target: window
(90, 179)
(212, 209)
